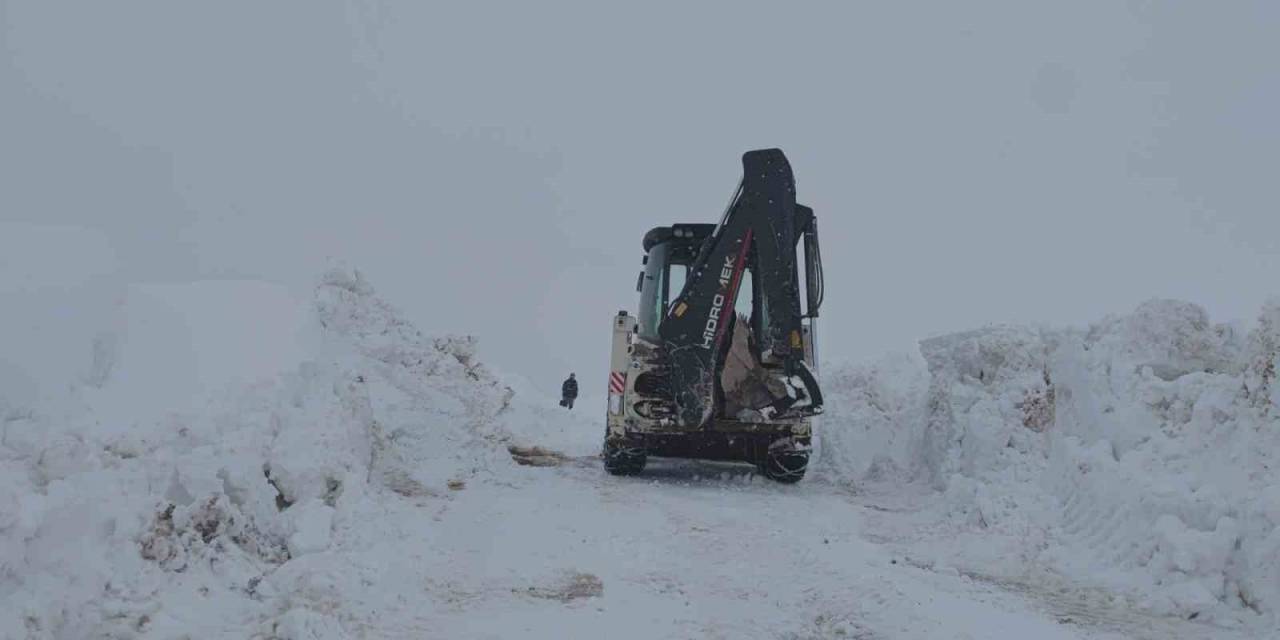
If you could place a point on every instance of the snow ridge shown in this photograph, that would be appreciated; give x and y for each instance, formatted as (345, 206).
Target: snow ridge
(247, 515)
(1138, 455)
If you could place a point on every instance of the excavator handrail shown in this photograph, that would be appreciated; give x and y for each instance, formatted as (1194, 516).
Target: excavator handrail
(814, 284)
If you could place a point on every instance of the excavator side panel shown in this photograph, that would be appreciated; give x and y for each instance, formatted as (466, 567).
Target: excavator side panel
(620, 377)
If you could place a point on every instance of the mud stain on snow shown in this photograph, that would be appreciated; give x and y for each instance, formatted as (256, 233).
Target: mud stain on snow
(536, 456)
(571, 586)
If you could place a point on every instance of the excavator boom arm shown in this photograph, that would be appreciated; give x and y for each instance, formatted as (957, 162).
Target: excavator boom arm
(758, 231)
(760, 219)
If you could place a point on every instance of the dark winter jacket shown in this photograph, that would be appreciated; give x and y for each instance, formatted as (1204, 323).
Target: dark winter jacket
(569, 389)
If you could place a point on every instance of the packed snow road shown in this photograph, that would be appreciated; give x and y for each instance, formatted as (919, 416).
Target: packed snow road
(700, 550)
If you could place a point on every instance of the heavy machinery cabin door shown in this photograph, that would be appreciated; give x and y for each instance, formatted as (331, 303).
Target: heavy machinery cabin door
(665, 270)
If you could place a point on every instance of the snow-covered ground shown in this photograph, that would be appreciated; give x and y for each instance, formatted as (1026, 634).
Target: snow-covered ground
(236, 463)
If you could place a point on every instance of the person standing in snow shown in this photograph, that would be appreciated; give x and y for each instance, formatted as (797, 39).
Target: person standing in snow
(568, 391)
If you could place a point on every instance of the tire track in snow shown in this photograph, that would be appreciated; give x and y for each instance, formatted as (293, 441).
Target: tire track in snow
(893, 509)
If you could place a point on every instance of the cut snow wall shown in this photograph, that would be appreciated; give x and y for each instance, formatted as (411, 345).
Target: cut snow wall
(1140, 453)
(312, 426)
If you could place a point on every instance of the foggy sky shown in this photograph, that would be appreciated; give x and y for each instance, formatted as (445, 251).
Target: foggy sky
(491, 167)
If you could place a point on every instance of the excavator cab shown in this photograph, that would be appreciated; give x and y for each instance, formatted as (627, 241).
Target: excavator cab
(669, 253)
(719, 360)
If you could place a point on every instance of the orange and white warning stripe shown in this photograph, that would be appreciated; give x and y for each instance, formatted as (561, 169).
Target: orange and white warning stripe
(617, 381)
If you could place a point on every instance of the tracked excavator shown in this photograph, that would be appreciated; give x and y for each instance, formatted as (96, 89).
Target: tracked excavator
(719, 361)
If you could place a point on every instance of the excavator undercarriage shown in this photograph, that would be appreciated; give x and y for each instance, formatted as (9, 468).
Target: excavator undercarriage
(719, 361)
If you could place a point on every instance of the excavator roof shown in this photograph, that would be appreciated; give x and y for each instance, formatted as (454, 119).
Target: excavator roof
(691, 232)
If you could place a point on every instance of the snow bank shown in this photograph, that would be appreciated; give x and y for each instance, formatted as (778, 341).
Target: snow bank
(1165, 457)
(868, 428)
(1138, 455)
(185, 499)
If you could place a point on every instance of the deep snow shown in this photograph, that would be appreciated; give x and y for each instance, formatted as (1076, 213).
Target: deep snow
(1136, 456)
(321, 469)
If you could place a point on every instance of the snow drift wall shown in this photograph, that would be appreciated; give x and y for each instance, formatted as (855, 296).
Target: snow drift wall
(1140, 453)
(870, 428)
(180, 499)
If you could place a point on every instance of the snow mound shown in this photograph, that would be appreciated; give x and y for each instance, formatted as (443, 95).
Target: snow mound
(180, 480)
(1138, 455)
(868, 421)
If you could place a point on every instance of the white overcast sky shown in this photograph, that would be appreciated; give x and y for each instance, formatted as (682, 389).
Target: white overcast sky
(491, 167)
